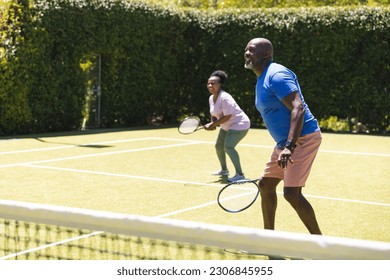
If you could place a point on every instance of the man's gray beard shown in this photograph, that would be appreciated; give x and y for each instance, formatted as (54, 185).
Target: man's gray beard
(248, 66)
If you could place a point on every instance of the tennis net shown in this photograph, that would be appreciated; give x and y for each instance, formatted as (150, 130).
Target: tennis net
(36, 231)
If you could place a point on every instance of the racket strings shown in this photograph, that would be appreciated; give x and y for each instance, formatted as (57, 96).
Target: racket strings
(238, 197)
(189, 125)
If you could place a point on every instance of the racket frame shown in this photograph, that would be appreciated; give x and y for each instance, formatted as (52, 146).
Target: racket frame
(237, 183)
(196, 129)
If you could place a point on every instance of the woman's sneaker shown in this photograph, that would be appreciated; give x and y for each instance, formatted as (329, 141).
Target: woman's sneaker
(221, 173)
(236, 178)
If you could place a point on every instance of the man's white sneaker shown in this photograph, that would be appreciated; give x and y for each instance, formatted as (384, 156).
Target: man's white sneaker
(236, 178)
(221, 173)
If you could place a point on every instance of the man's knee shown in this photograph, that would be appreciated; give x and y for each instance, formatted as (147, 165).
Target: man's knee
(268, 185)
(292, 194)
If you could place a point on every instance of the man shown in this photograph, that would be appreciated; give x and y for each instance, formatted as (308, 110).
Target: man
(292, 126)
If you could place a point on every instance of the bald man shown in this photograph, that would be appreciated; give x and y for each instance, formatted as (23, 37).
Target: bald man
(293, 127)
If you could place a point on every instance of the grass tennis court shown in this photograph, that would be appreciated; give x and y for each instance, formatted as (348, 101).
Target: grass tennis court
(158, 172)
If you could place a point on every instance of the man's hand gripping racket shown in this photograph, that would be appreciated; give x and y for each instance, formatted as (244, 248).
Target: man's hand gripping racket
(238, 196)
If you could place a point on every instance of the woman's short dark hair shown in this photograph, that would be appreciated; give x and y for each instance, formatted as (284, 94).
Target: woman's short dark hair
(221, 75)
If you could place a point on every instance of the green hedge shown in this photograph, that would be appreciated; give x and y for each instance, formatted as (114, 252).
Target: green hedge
(156, 61)
(223, 4)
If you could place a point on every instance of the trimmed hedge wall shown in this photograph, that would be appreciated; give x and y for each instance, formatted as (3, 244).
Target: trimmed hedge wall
(156, 61)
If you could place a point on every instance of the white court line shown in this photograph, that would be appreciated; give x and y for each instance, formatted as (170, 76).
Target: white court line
(183, 140)
(120, 175)
(80, 145)
(271, 147)
(202, 205)
(46, 246)
(354, 153)
(349, 200)
(187, 182)
(98, 154)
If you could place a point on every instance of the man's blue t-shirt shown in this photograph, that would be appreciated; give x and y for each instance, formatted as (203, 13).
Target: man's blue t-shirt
(274, 84)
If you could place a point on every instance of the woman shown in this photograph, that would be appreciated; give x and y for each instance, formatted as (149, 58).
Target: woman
(234, 123)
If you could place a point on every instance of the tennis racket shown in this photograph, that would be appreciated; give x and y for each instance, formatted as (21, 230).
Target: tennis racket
(190, 125)
(238, 196)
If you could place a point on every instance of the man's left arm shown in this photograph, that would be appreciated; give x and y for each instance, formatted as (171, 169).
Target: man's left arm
(293, 102)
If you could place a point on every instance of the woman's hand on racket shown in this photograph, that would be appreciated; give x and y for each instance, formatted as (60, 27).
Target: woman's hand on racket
(216, 122)
(210, 126)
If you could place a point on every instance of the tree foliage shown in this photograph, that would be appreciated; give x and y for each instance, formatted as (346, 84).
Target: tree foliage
(245, 4)
(155, 61)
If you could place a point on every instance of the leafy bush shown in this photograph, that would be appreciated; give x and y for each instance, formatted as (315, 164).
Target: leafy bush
(156, 61)
(245, 4)
(334, 124)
